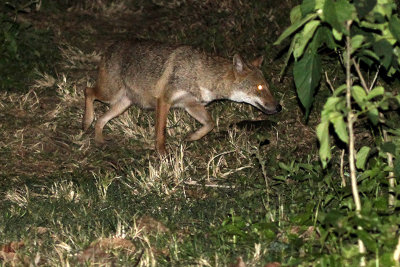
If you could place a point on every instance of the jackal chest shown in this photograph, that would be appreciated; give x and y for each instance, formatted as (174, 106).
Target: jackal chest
(181, 98)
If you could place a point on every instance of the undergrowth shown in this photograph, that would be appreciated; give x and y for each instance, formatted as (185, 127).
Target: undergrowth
(251, 192)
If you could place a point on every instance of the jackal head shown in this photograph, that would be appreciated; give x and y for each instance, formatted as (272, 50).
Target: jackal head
(250, 87)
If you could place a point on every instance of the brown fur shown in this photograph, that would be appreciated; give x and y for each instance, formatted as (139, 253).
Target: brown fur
(157, 76)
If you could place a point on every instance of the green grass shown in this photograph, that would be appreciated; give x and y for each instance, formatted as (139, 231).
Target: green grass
(252, 188)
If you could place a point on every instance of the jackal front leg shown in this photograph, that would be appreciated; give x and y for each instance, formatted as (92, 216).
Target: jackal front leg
(199, 112)
(162, 109)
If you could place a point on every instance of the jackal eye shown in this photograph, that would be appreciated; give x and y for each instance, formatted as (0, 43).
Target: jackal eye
(260, 87)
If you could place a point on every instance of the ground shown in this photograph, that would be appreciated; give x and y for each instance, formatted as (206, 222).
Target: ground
(229, 195)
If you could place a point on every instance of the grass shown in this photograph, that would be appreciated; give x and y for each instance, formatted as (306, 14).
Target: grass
(251, 189)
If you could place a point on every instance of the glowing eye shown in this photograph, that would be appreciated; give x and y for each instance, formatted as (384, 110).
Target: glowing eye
(260, 87)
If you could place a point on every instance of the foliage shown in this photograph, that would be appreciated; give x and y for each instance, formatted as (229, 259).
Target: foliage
(365, 35)
(24, 50)
(250, 189)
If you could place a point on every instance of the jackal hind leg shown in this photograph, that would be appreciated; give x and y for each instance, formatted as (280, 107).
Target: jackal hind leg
(89, 109)
(162, 109)
(116, 109)
(199, 112)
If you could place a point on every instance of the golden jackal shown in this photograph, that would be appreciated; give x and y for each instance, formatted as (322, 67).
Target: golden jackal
(158, 76)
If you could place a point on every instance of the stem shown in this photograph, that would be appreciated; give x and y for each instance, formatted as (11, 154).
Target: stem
(396, 254)
(341, 168)
(350, 122)
(375, 78)
(363, 83)
(392, 180)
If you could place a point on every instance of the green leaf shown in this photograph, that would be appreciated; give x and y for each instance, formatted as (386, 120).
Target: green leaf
(383, 8)
(294, 27)
(295, 14)
(339, 90)
(370, 53)
(324, 36)
(330, 15)
(396, 167)
(377, 91)
(330, 105)
(385, 52)
(359, 95)
(367, 239)
(344, 10)
(356, 42)
(363, 7)
(373, 116)
(361, 157)
(307, 74)
(337, 13)
(338, 35)
(307, 6)
(306, 34)
(340, 126)
(389, 147)
(289, 53)
(323, 137)
(372, 26)
(394, 27)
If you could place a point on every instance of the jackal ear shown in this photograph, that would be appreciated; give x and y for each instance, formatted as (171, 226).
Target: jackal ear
(258, 61)
(238, 63)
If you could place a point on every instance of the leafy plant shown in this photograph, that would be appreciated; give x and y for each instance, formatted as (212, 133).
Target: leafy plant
(365, 35)
(24, 49)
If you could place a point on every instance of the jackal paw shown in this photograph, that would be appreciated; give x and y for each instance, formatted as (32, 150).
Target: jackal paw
(162, 152)
(193, 137)
(101, 140)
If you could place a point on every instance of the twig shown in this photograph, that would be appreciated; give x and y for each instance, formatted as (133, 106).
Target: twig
(363, 83)
(329, 82)
(209, 162)
(210, 185)
(375, 78)
(341, 168)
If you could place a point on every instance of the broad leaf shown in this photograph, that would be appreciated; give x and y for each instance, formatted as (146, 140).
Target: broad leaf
(306, 34)
(324, 36)
(294, 27)
(365, 54)
(307, 74)
(295, 14)
(361, 157)
(394, 26)
(389, 147)
(330, 15)
(359, 95)
(377, 91)
(363, 7)
(396, 167)
(385, 52)
(345, 11)
(323, 137)
(330, 105)
(340, 126)
(356, 42)
(367, 239)
(338, 35)
(383, 9)
(373, 116)
(339, 90)
(337, 13)
(307, 6)
(289, 54)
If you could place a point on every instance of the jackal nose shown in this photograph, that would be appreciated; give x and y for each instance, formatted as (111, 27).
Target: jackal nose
(278, 108)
